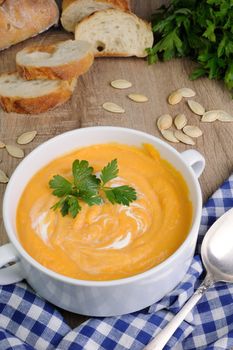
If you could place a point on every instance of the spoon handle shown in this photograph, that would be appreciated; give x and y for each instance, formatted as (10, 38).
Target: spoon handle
(162, 338)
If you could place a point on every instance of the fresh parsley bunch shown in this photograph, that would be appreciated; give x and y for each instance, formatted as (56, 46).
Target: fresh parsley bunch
(200, 29)
(86, 187)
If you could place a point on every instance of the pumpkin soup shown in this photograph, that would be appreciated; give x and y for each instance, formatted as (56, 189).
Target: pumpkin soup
(107, 242)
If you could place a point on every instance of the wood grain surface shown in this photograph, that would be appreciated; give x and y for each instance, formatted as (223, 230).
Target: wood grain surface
(93, 89)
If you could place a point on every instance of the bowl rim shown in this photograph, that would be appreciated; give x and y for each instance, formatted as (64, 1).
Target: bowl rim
(12, 235)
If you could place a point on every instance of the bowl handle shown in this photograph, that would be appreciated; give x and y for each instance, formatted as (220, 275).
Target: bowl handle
(13, 273)
(195, 160)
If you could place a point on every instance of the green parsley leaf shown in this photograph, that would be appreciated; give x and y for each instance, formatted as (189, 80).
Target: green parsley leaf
(86, 183)
(120, 195)
(60, 185)
(152, 56)
(89, 187)
(94, 200)
(81, 171)
(65, 207)
(197, 73)
(229, 76)
(209, 32)
(74, 206)
(109, 172)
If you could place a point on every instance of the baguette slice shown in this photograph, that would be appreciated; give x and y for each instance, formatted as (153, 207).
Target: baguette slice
(65, 60)
(32, 97)
(73, 11)
(22, 19)
(115, 33)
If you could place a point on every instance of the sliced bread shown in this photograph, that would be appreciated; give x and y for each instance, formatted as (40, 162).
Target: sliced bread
(65, 60)
(73, 11)
(32, 97)
(115, 33)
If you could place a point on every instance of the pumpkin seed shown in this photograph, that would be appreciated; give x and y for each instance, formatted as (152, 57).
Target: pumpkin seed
(210, 116)
(164, 122)
(169, 136)
(180, 121)
(121, 84)
(26, 137)
(192, 131)
(174, 98)
(113, 107)
(186, 92)
(184, 138)
(2, 144)
(138, 98)
(3, 177)
(15, 151)
(224, 116)
(196, 107)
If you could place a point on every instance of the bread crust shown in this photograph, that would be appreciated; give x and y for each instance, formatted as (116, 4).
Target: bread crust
(64, 72)
(119, 4)
(40, 104)
(22, 19)
(34, 105)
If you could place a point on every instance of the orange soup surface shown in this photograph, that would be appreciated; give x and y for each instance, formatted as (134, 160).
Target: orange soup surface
(107, 242)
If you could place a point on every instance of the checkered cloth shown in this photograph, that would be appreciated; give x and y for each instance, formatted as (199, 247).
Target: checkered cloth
(27, 322)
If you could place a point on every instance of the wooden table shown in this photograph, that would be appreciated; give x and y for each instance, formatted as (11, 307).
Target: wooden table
(93, 89)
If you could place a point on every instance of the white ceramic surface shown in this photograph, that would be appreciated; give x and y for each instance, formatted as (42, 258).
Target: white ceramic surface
(92, 298)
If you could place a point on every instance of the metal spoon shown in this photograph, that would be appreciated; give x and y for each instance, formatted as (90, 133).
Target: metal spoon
(217, 257)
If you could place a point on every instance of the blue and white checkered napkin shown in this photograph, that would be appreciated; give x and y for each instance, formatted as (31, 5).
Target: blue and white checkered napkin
(28, 322)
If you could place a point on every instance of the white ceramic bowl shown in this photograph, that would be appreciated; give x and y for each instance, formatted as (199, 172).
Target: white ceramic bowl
(106, 298)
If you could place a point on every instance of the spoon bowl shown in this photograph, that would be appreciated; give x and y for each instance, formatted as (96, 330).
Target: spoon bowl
(217, 249)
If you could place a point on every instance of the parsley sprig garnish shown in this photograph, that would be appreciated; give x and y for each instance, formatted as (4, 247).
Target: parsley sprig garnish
(87, 187)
